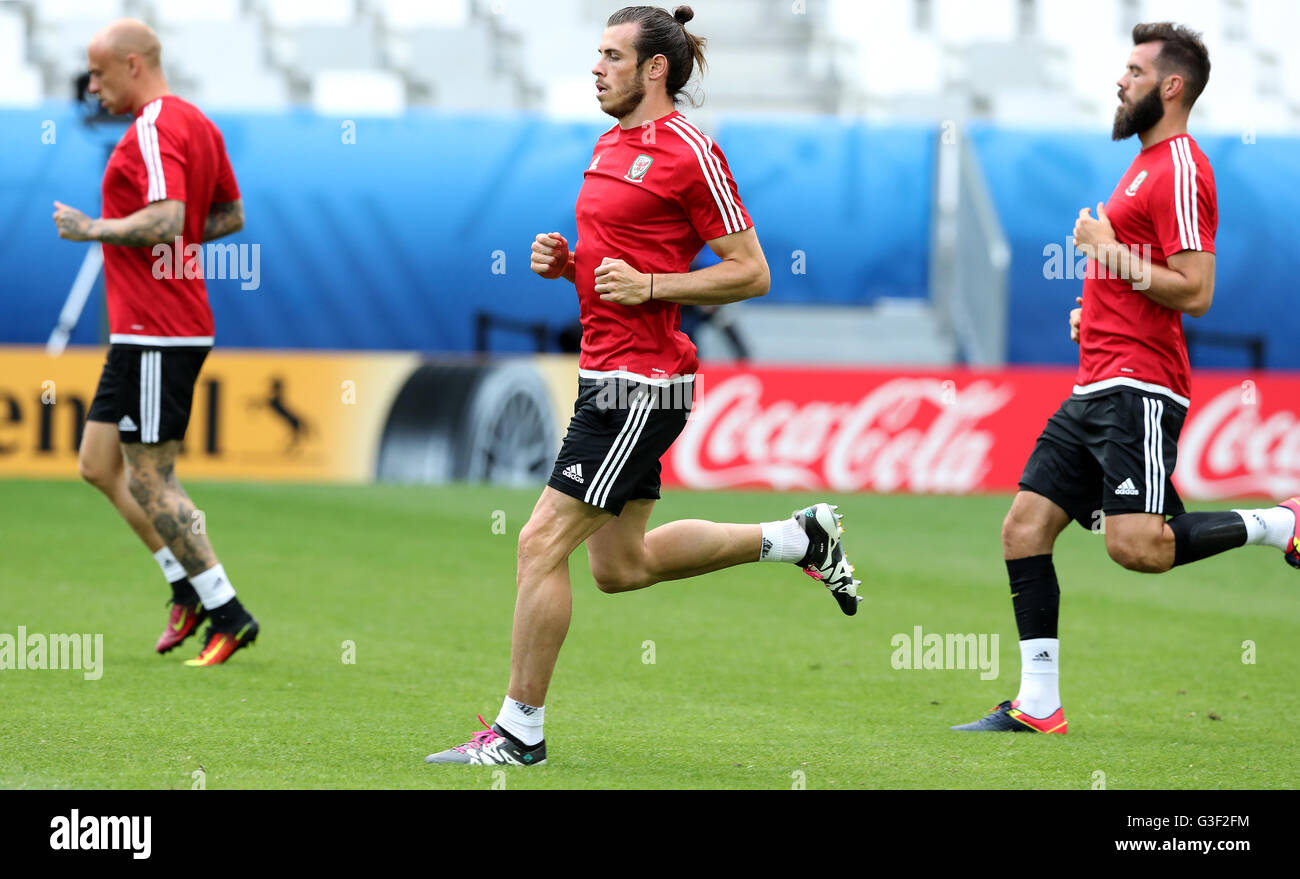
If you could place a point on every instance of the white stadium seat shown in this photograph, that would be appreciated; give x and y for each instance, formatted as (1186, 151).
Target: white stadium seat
(296, 13)
(318, 47)
(21, 87)
(13, 38)
(176, 11)
(883, 58)
(94, 12)
(358, 93)
(213, 49)
(959, 21)
(242, 89)
(400, 15)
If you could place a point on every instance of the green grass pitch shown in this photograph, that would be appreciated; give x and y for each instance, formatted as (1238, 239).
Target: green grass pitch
(758, 681)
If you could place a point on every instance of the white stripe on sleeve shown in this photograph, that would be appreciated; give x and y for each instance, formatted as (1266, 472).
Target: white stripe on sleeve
(146, 134)
(1178, 194)
(716, 165)
(1193, 225)
(708, 177)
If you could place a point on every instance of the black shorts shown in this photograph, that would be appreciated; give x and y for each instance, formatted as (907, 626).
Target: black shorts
(619, 431)
(147, 392)
(1109, 454)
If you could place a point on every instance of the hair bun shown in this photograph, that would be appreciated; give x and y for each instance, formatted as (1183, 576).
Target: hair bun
(683, 14)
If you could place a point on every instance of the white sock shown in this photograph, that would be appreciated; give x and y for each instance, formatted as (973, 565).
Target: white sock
(213, 587)
(783, 541)
(1040, 693)
(171, 566)
(524, 722)
(1271, 526)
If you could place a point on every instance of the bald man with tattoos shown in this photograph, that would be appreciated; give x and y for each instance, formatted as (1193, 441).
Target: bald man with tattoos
(169, 183)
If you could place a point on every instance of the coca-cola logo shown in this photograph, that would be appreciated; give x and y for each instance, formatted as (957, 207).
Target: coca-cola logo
(1230, 448)
(918, 434)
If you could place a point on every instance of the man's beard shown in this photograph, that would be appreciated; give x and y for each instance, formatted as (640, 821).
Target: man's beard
(629, 101)
(1145, 113)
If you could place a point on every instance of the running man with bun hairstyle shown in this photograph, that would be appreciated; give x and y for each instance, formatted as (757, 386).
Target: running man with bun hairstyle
(655, 192)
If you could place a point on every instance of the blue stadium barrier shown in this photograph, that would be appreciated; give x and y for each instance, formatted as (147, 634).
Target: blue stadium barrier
(854, 198)
(398, 240)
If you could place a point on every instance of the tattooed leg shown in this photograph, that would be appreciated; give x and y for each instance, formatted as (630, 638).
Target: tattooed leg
(153, 484)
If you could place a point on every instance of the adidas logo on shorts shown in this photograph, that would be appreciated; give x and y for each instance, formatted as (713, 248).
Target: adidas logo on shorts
(1126, 487)
(126, 424)
(574, 472)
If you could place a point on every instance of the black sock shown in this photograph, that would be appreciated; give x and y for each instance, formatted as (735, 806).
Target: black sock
(183, 592)
(228, 615)
(1035, 595)
(502, 731)
(1200, 535)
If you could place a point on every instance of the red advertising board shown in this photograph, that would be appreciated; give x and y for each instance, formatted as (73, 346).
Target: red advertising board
(957, 431)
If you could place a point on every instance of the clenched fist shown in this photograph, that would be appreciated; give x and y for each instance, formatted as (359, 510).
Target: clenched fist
(71, 223)
(616, 281)
(1076, 318)
(550, 255)
(1090, 234)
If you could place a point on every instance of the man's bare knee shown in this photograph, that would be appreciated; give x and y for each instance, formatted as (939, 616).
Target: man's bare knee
(613, 586)
(613, 578)
(536, 556)
(1031, 526)
(1135, 555)
(1125, 555)
(526, 551)
(1023, 536)
(98, 473)
(99, 460)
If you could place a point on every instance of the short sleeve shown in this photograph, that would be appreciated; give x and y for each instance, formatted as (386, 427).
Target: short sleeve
(707, 191)
(1184, 210)
(227, 190)
(162, 148)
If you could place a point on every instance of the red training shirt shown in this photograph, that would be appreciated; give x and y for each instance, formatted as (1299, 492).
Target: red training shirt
(1166, 200)
(652, 196)
(172, 151)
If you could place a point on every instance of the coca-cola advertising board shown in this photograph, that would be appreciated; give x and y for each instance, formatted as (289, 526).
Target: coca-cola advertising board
(396, 417)
(957, 431)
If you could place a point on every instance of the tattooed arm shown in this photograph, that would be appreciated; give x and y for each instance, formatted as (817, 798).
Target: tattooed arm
(156, 223)
(224, 218)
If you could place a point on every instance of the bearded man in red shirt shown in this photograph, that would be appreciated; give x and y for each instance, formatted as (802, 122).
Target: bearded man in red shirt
(1106, 458)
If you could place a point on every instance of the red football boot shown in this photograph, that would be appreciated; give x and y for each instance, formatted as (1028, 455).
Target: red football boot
(1292, 554)
(184, 621)
(222, 644)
